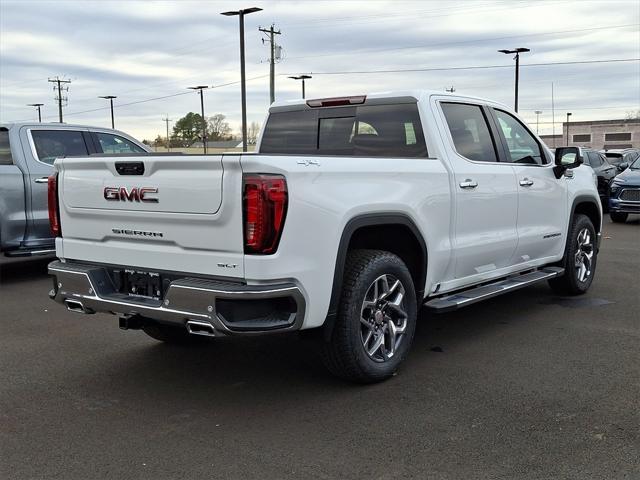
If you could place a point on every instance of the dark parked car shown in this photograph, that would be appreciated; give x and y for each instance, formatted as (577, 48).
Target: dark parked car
(604, 171)
(625, 193)
(622, 158)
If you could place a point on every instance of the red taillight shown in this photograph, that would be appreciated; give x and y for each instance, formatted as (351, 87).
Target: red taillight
(264, 202)
(54, 211)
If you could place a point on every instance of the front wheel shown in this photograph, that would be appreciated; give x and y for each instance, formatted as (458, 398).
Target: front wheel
(618, 217)
(376, 318)
(580, 258)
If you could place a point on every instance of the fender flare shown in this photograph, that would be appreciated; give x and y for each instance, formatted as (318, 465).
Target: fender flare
(595, 201)
(355, 223)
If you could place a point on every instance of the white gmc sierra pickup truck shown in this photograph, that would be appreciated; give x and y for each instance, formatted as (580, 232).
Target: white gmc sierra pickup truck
(354, 213)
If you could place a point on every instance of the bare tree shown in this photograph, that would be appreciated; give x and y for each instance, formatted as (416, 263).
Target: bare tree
(218, 128)
(252, 133)
(633, 115)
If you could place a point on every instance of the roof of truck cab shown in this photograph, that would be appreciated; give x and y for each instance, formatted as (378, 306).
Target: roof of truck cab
(11, 125)
(417, 94)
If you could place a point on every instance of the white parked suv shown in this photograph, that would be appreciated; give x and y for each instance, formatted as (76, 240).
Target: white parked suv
(354, 213)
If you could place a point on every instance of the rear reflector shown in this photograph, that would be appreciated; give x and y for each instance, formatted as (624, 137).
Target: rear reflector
(264, 202)
(54, 210)
(336, 101)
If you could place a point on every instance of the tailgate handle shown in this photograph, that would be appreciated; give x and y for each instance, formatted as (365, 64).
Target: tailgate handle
(130, 168)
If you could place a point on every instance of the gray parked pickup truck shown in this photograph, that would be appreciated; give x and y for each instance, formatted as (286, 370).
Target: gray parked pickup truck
(27, 152)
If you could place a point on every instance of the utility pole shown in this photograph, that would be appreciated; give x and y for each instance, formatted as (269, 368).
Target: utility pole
(110, 98)
(272, 63)
(243, 81)
(537, 112)
(58, 88)
(37, 105)
(303, 78)
(517, 51)
(167, 120)
(568, 115)
(200, 89)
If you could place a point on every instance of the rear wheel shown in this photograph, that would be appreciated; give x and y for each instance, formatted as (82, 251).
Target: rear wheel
(618, 217)
(580, 258)
(172, 334)
(376, 318)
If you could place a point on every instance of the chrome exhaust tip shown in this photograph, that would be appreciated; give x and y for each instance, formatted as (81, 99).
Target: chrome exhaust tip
(75, 306)
(196, 327)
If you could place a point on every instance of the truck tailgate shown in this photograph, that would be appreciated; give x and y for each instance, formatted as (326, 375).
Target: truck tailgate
(171, 217)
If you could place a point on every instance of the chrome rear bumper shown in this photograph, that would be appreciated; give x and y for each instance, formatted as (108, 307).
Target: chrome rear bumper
(88, 289)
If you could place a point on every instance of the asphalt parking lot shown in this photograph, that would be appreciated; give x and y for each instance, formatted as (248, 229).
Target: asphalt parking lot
(524, 386)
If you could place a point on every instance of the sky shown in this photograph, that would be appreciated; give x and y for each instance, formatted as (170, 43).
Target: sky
(148, 53)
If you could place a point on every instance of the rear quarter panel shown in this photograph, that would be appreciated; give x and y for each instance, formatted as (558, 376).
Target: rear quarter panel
(324, 197)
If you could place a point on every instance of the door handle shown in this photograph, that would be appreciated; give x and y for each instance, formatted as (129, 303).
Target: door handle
(525, 182)
(42, 180)
(468, 183)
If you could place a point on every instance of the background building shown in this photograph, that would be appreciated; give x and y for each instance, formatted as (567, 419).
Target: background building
(597, 134)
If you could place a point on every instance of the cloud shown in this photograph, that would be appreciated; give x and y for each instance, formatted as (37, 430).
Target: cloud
(144, 50)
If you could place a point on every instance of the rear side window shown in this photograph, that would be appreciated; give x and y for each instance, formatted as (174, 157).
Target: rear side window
(470, 131)
(51, 144)
(363, 131)
(116, 144)
(5, 148)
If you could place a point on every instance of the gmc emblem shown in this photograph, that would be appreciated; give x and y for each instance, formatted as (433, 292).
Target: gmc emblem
(135, 194)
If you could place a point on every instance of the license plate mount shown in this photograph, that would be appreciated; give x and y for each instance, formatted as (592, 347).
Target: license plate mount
(139, 283)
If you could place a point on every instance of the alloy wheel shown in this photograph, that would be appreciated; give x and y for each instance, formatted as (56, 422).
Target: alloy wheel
(383, 318)
(584, 255)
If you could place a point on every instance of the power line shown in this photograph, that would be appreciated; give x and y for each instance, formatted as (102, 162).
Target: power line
(474, 67)
(478, 8)
(462, 42)
(156, 98)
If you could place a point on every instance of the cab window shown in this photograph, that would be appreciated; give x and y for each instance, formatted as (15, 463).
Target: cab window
(470, 131)
(521, 145)
(110, 143)
(51, 144)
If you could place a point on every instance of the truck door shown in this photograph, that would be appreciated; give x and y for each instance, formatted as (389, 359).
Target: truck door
(41, 146)
(542, 198)
(12, 198)
(486, 196)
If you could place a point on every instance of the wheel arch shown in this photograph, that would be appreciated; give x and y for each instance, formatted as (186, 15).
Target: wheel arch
(587, 205)
(372, 230)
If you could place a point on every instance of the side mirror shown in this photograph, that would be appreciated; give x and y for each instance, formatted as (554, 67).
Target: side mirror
(566, 158)
(623, 166)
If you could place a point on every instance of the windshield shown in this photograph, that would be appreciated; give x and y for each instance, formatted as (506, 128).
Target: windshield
(635, 165)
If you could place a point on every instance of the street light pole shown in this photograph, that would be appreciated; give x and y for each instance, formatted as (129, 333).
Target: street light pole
(243, 86)
(568, 115)
(37, 105)
(303, 78)
(110, 98)
(537, 112)
(517, 51)
(200, 89)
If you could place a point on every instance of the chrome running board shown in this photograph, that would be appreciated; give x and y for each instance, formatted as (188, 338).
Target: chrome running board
(457, 300)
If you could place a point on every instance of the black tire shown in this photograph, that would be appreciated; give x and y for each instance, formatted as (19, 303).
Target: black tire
(172, 334)
(605, 204)
(618, 217)
(345, 354)
(571, 282)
